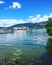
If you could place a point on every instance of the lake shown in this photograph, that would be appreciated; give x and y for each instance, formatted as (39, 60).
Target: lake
(26, 47)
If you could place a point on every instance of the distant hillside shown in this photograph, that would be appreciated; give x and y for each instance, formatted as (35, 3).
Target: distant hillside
(31, 25)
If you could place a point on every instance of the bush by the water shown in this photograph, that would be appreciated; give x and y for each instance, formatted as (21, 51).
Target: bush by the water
(49, 26)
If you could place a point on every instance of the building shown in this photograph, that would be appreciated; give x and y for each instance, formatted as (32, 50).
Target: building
(6, 30)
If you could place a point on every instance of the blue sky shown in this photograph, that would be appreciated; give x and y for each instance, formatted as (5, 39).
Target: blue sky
(23, 11)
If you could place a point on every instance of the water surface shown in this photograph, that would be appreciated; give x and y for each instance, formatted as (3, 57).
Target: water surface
(24, 45)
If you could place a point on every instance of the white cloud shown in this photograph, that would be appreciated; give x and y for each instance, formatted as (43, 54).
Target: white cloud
(2, 2)
(38, 18)
(21, 21)
(31, 19)
(10, 22)
(50, 15)
(15, 5)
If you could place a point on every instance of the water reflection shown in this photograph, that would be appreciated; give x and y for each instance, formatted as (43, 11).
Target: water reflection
(29, 47)
(46, 58)
(21, 37)
(49, 47)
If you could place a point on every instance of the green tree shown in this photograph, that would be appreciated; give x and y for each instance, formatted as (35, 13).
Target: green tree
(48, 26)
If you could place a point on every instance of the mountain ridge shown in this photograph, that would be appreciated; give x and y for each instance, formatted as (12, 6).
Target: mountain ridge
(31, 25)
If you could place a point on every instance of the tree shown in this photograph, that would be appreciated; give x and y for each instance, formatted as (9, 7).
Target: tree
(48, 26)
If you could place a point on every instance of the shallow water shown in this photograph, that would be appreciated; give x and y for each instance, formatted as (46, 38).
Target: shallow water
(24, 45)
(21, 37)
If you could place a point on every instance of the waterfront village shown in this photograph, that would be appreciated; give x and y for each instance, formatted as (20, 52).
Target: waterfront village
(11, 29)
(25, 26)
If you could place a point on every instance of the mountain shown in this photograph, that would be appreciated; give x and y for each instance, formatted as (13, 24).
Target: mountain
(31, 25)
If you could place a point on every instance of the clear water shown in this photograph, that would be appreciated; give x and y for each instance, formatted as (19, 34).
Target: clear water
(24, 44)
(24, 37)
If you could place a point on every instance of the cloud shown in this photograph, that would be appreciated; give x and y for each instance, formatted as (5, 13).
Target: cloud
(10, 22)
(31, 19)
(15, 5)
(21, 21)
(2, 2)
(38, 18)
(50, 15)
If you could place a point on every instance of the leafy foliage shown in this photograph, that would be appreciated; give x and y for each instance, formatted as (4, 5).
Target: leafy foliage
(49, 26)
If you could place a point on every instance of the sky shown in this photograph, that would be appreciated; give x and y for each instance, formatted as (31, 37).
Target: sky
(24, 11)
